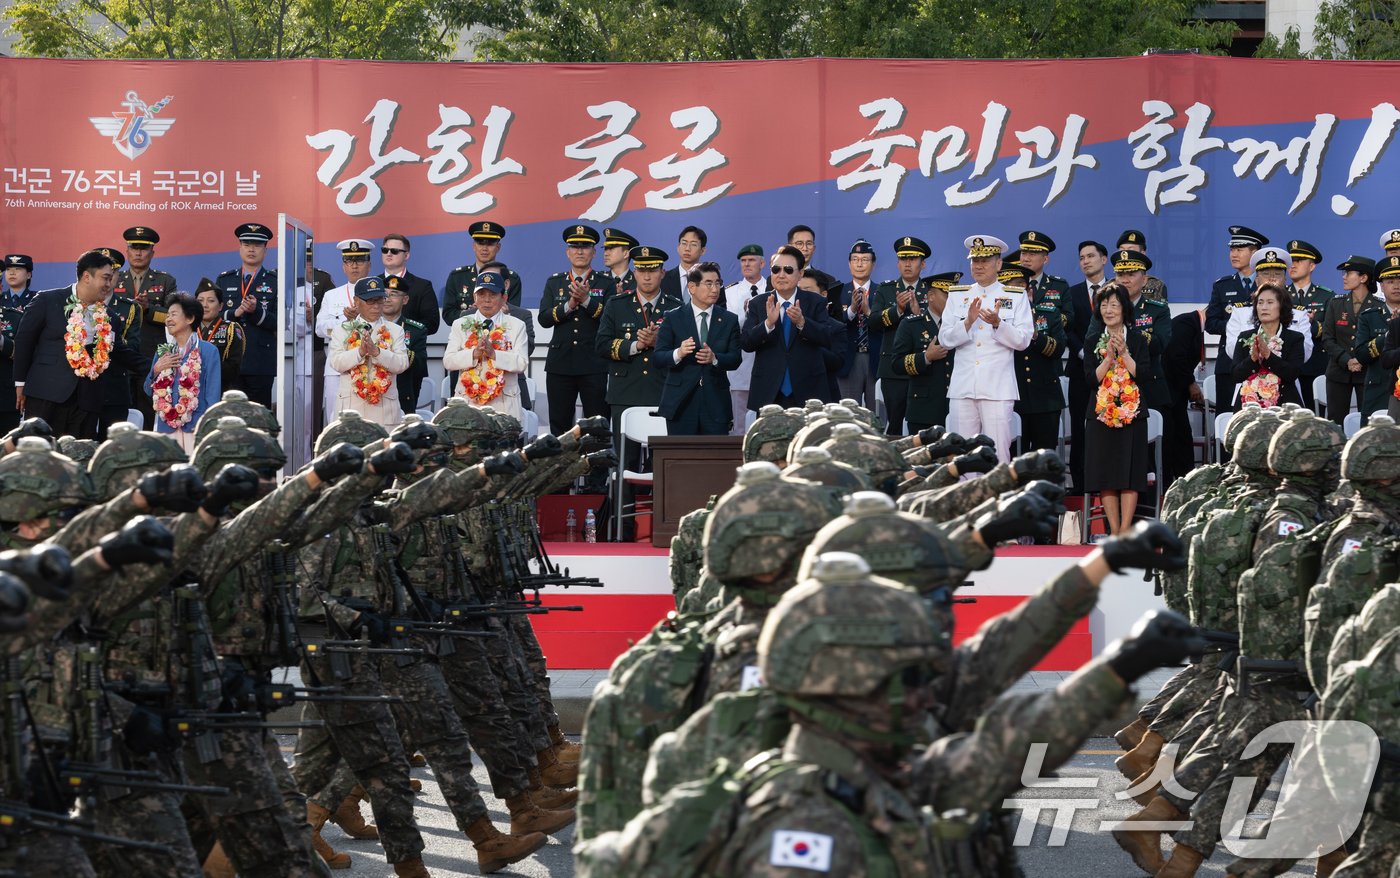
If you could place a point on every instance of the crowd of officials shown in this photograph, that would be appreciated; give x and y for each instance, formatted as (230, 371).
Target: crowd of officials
(671, 334)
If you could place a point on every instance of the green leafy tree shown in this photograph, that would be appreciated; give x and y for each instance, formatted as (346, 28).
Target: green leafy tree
(1358, 30)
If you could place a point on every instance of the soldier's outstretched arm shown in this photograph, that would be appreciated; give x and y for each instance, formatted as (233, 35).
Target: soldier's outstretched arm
(139, 582)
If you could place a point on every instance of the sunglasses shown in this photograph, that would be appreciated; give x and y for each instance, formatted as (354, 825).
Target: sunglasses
(395, 251)
(784, 269)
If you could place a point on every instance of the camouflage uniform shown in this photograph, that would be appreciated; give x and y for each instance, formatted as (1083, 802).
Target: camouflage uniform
(769, 436)
(687, 552)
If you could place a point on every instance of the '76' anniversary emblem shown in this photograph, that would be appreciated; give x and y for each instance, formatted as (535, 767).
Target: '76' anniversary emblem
(131, 131)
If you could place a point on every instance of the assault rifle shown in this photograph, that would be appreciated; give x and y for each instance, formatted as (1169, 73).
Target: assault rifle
(1246, 667)
(1223, 643)
(17, 818)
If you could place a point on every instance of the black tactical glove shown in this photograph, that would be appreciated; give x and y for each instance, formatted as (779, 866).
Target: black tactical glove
(178, 489)
(30, 427)
(1042, 464)
(922, 471)
(590, 444)
(144, 540)
(979, 460)
(14, 602)
(1025, 514)
(981, 440)
(607, 458)
(930, 435)
(545, 446)
(1048, 491)
(374, 627)
(1159, 639)
(507, 463)
(594, 426)
(1139, 548)
(233, 483)
(342, 459)
(396, 457)
(420, 436)
(949, 445)
(149, 732)
(47, 569)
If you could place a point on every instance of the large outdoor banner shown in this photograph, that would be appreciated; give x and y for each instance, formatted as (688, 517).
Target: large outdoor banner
(1179, 147)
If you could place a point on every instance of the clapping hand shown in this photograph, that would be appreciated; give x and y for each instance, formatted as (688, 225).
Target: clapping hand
(578, 291)
(794, 313)
(687, 347)
(974, 309)
(705, 355)
(773, 310)
(646, 337)
(990, 315)
(246, 306)
(903, 298)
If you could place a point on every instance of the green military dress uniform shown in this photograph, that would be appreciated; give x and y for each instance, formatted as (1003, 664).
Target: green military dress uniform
(886, 318)
(154, 286)
(573, 369)
(410, 381)
(632, 380)
(1371, 326)
(1038, 368)
(461, 283)
(927, 382)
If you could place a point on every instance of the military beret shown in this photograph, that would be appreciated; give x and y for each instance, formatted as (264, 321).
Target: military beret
(748, 250)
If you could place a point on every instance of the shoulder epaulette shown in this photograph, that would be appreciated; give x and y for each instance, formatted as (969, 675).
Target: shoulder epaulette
(957, 288)
(231, 271)
(1007, 289)
(409, 321)
(461, 268)
(559, 274)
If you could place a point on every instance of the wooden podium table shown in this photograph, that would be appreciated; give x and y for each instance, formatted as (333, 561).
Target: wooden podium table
(687, 470)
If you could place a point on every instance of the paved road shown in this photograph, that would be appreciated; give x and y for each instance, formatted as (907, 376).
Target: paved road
(1085, 850)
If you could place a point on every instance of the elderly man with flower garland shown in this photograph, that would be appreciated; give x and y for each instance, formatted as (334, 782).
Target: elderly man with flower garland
(488, 349)
(65, 342)
(367, 351)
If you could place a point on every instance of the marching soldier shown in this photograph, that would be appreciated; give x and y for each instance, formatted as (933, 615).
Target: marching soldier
(572, 305)
(148, 288)
(918, 355)
(894, 300)
(460, 285)
(249, 293)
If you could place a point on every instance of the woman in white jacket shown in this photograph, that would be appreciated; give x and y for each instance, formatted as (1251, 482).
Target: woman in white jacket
(489, 349)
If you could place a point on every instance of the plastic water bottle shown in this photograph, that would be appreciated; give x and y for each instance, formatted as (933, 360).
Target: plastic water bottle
(590, 528)
(571, 527)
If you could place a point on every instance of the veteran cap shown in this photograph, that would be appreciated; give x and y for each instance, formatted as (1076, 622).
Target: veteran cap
(748, 250)
(862, 246)
(618, 238)
(19, 260)
(354, 250)
(581, 236)
(648, 257)
(371, 287)
(1363, 264)
(1388, 267)
(1244, 236)
(141, 236)
(908, 246)
(943, 280)
(983, 245)
(1132, 236)
(253, 233)
(1130, 260)
(1270, 257)
(490, 281)
(1304, 250)
(1037, 241)
(486, 231)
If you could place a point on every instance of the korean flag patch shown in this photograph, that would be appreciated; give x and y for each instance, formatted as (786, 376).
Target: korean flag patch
(1288, 527)
(801, 850)
(1350, 545)
(751, 678)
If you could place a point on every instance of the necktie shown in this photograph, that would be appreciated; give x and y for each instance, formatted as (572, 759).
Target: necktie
(651, 313)
(753, 290)
(1248, 284)
(704, 326)
(862, 331)
(1093, 291)
(787, 325)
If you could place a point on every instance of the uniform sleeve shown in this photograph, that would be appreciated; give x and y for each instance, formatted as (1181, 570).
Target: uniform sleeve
(1302, 324)
(552, 310)
(1016, 333)
(330, 315)
(1216, 318)
(456, 357)
(426, 307)
(515, 359)
(395, 357)
(954, 332)
(608, 344)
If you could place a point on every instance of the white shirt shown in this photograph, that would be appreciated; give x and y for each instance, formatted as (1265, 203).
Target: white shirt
(332, 314)
(858, 290)
(736, 299)
(985, 366)
(1242, 321)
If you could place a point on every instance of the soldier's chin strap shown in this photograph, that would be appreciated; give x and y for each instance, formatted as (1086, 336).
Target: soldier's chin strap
(843, 725)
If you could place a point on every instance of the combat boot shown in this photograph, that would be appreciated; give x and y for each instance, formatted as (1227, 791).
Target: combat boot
(349, 818)
(496, 850)
(317, 817)
(411, 869)
(1145, 845)
(1183, 864)
(217, 864)
(415, 784)
(554, 772)
(564, 749)
(1142, 757)
(548, 798)
(1148, 793)
(418, 760)
(1129, 736)
(526, 816)
(1328, 863)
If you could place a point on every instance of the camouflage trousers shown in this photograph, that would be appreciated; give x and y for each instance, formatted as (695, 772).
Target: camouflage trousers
(255, 823)
(46, 855)
(534, 661)
(1188, 701)
(144, 816)
(1378, 854)
(1154, 705)
(479, 695)
(507, 659)
(1214, 762)
(362, 738)
(429, 723)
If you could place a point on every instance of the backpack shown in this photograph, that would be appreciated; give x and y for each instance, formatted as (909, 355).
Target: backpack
(1367, 690)
(1359, 634)
(1348, 582)
(1272, 595)
(1220, 554)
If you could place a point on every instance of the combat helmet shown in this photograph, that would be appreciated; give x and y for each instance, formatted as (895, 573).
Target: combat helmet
(233, 441)
(36, 481)
(845, 638)
(1373, 454)
(462, 423)
(897, 545)
(236, 403)
(862, 413)
(1252, 442)
(127, 455)
(768, 437)
(873, 455)
(816, 465)
(818, 429)
(1305, 445)
(1238, 421)
(760, 526)
(78, 450)
(508, 426)
(350, 426)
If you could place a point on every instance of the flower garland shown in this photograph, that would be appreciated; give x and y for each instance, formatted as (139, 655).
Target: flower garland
(176, 413)
(1263, 386)
(1118, 399)
(483, 382)
(87, 365)
(371, 382)
(1396, 394)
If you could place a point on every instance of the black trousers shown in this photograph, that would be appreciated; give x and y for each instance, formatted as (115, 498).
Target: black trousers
(259, 390)
(1078, 405)
(1305, 389)
(65, 418)
(1339, 397)
(1040, 430)
(110, 415)
(896, 391)
(1178, 454)
(565, 390)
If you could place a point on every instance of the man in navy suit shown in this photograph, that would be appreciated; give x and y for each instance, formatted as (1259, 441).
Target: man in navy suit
(67, 395)
(860, 356)
(697, 345)
(787, 341)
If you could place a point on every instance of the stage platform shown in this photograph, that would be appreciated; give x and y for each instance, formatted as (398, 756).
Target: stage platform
(637, 594)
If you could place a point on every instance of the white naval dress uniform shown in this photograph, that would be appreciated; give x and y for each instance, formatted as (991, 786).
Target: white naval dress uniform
(736, 301)
(982, 391)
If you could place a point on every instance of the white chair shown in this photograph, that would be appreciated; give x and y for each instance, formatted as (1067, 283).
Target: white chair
(426, 396)
(881, 413)
(135, 417)
(1015, 434)
(1351, 424)
(425, 414)
(749, 417)
(1319, 393)
(529, 424)
(447, 389)
(1222, 421)
(1154, 441)
(638, 424)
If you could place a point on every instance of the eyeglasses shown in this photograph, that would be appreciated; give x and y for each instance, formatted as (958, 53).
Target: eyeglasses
(391, 251)
(784, 269)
